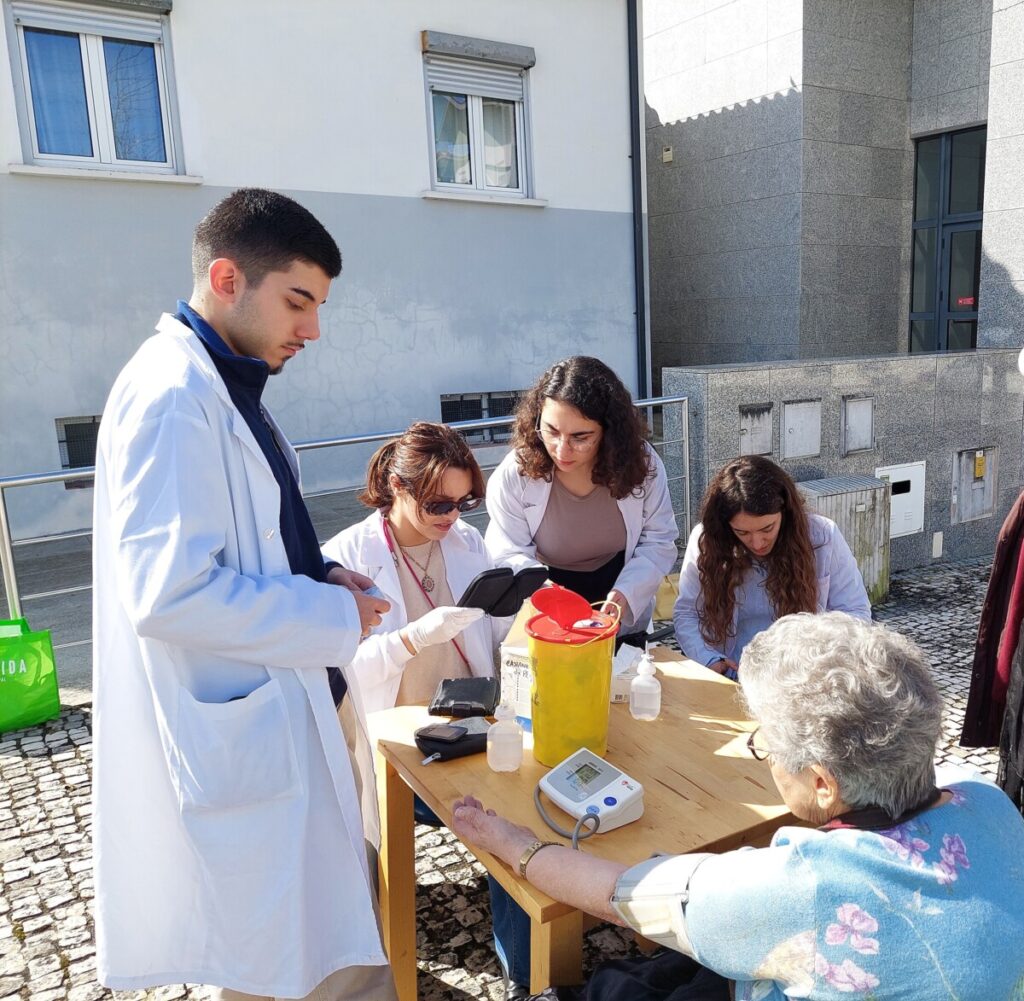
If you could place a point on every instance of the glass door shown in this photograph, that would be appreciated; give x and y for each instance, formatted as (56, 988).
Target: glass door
(958, 294)
(948, 199)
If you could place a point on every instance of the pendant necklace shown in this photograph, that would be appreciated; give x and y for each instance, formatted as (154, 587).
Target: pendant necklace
(426, 581)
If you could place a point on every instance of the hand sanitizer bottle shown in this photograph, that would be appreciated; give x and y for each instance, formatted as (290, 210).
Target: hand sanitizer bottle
(505, 741)
(645, 691)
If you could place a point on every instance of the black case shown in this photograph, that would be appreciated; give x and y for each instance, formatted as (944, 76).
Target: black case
(462, 697)
(470, 743)
(500, 592)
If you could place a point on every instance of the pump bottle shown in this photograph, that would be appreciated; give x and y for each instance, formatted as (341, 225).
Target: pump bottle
(505, 741)
(645, 691)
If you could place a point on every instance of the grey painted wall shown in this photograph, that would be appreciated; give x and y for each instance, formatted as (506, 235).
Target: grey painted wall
(1001, 296)
(436, 297)
(926, 407)
(950, 69)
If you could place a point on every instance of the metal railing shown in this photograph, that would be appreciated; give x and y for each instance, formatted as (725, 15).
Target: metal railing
(7, 542)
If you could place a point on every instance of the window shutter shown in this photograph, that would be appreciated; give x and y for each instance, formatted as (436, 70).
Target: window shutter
(107, 21)
(461, 76)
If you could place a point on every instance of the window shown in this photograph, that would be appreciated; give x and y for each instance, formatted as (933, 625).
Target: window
(76, 439)
(478, 406)
(477, 114)
(93, 85)
(948, 199)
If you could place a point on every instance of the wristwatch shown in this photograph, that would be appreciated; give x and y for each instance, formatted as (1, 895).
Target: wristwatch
(524, 859)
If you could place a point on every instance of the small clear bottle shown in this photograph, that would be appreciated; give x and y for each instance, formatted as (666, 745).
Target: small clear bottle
(645, 691)
(505, 741)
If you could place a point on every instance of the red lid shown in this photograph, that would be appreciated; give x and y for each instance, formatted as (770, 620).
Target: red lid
(559, 603)
(543, 627)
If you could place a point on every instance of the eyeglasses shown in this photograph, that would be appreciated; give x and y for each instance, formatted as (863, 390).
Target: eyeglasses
(581, 441)
(758, 754)
(439, 507)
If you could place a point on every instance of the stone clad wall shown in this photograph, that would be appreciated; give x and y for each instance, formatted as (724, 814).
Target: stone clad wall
(926, 407)
(1001, 296)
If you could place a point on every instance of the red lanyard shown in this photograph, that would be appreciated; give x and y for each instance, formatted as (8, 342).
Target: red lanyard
(391, 548)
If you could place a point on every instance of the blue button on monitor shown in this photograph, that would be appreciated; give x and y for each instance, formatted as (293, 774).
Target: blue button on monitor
(593, 809)
(610, 801)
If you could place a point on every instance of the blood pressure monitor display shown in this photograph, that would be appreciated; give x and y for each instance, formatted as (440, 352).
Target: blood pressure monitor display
(583, 776)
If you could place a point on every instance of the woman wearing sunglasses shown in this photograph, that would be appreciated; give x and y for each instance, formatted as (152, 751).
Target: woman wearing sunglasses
(422, 556)
(583, 493)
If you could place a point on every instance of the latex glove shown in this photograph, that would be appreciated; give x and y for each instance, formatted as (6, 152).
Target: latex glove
(438, 626)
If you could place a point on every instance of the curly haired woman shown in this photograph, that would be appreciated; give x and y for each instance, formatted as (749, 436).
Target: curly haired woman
(583, 493)
(758, 555)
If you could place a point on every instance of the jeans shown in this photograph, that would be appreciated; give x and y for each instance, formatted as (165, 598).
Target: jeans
(511, 934)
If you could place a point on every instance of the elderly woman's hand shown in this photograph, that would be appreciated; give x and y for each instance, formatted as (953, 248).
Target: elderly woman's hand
(484, 828)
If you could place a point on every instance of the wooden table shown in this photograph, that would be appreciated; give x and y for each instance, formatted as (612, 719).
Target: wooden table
(702, 792)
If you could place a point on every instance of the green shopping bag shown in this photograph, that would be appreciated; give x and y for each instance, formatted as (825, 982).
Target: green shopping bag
(28, 676)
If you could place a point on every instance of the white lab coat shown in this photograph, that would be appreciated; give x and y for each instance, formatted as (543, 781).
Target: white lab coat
(516, 505)
(375, 672)
(228, 842)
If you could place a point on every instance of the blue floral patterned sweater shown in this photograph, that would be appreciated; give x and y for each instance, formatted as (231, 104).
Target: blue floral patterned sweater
(931, 909)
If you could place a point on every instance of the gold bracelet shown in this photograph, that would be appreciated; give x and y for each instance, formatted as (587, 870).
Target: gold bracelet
(524, 859)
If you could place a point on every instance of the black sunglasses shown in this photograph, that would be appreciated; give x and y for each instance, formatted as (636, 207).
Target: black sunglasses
(436, 508)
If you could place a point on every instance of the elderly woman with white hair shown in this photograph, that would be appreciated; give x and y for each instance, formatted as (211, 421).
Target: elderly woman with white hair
(898, 889)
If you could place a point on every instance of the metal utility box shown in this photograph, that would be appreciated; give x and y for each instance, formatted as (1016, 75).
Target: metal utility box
(858, 428)
(801, 428)
(974, 484)
(859, 505)
(756, 429)
(906, 482)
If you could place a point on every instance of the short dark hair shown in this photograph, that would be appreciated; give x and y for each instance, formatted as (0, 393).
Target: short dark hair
(262, 231)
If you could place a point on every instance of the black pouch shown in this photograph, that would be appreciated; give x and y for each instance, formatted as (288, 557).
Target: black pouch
(464, 697)
(470, 743)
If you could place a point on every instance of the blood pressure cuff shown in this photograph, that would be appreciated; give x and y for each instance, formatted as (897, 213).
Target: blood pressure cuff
(651, 898)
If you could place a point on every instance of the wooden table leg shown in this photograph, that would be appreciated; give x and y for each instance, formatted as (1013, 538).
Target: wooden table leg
(556, 952)
(397, 878)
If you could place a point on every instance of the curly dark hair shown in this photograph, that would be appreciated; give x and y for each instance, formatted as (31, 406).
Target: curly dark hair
(757, 486)
(623, 461)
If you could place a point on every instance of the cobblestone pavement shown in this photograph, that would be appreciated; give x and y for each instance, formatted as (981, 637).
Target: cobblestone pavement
(46, 941)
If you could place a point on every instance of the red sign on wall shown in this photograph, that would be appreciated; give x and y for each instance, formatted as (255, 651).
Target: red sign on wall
(965, 300)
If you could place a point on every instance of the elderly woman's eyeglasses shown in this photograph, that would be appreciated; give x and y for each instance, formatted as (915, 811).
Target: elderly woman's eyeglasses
(759, 753)
(581, 441)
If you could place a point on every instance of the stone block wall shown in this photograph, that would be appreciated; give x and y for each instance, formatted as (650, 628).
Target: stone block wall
(1001, 295)
(926, 407)
(950, 68)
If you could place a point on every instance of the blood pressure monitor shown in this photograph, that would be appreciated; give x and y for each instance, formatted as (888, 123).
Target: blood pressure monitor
(586, 784)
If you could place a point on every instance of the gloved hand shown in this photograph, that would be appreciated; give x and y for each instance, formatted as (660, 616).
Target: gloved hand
(438, 626)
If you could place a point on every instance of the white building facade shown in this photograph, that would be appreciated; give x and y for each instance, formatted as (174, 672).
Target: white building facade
(473, 162)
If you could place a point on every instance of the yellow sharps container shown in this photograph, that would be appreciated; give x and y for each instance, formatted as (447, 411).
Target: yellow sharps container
(571, 649)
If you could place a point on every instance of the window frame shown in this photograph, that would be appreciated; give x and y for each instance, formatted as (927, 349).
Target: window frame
(92, 25)
(944, 224)
(478, 185)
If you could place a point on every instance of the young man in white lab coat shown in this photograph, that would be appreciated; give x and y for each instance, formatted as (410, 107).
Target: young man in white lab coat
(228, 840)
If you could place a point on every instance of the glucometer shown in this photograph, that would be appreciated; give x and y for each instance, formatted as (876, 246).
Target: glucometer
(596, 793)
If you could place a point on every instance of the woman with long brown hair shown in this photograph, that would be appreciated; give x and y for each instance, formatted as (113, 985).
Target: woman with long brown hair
(757, 555)
(583, 493)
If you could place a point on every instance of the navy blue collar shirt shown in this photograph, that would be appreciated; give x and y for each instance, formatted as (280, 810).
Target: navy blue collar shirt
(246, 379)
